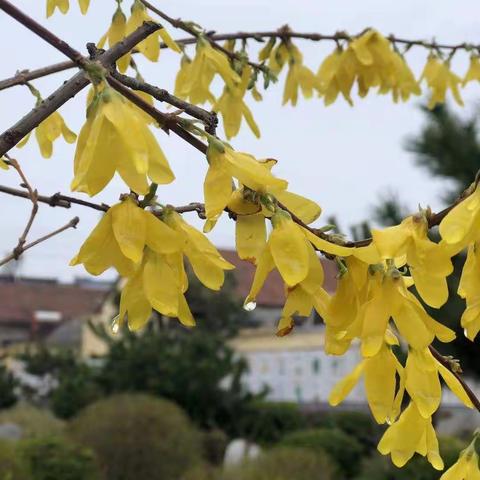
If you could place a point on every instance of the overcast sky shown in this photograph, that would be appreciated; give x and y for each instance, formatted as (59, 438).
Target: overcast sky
(342, 157)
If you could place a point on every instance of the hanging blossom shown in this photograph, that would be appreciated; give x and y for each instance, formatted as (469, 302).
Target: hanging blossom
(232, 107)
(114, 138)
(371, 62)
(149, 249)
(466, 467)
(47, 132)
(195, 76)
(64, 5)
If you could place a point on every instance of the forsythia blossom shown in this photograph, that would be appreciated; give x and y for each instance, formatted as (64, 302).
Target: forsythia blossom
(440, 78)
(48, 131)
(116, 137)
(64, 5)
(466, 467)
(195, 76)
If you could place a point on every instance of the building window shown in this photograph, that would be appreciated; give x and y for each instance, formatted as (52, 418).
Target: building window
(316, 366)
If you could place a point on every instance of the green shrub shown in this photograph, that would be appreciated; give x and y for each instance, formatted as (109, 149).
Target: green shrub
(53, 458)
(378, 467)
(268, 422)
(215, 443)
(8, 384)
(33, 421)
(284, 464)
(343, 449)
(11, 466)
(138, 437)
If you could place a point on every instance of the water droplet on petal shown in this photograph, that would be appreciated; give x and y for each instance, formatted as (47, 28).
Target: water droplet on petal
(465, 332)
(115, 325)
(389, 421)
(250, 306)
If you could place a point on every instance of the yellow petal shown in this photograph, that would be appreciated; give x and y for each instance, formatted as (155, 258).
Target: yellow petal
(250, 236)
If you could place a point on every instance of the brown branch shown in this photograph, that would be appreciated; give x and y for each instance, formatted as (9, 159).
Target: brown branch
(14, 256)
(208, 118)
(168, 122)
(69, 89)
(447, 364)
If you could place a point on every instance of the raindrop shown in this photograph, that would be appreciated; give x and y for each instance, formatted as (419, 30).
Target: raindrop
(250, 306)
(115, 325)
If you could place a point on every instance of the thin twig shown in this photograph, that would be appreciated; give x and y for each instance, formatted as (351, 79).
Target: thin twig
(14, 256)
(69, 89)
(444, 361)
(33, 196)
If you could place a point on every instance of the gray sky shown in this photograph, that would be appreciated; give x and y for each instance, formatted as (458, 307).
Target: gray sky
(342, 157)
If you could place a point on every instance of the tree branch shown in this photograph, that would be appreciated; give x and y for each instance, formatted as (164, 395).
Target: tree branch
(447, 364)
(14, 256)
(208, 118)
(69, 89)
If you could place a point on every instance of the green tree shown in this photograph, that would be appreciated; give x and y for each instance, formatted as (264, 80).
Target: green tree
(8, 385)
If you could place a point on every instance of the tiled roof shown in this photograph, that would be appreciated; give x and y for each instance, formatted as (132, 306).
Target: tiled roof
(19, 300)
(272, 294)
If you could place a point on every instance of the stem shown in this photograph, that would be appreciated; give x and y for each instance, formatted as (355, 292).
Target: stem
(446, 364)
(14, 256)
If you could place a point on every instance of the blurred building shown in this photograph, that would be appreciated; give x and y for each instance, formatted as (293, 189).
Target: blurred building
(34, 308)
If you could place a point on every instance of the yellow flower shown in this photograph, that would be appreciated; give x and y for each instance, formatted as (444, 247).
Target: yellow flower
(207, 263)
(3, 165)
(466, 467)
(278, 56)
(439, 79)
(116, 33)
(158, 284)
(334, 77)
(304, 296)
(380, 373)
(423, 383)
(469, 289)
(120, 237)
(461, 225)
(473, 72)
(371, 62)
(411, 434)
(62, 5)
(387, 298)
(116, 138)
(299, 77)
(150, 47)
(429, 262)
(48, 131)
(225, 163)
(194, 77)
(378, 65)
(233, 108)
(250, 230)
(84, 4)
